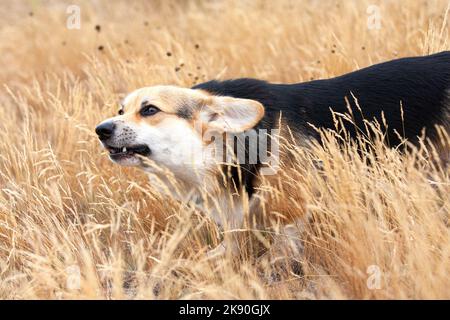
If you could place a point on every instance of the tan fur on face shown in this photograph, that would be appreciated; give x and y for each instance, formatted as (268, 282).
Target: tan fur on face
(202, 110)
(169, 99)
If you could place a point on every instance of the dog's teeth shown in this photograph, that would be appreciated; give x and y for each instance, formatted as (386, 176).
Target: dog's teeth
(124, 149)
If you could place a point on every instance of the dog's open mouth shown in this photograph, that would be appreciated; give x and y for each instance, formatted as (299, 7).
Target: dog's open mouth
(123, 152)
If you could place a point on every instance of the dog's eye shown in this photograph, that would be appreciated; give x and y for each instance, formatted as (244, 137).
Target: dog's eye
(120, 112)
(148, 110)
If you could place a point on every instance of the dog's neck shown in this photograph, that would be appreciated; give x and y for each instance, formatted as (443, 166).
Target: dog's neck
(226, 207)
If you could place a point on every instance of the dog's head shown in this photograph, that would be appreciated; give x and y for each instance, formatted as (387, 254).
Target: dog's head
(168, 126)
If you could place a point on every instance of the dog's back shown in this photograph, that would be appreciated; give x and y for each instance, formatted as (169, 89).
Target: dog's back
(420, 86)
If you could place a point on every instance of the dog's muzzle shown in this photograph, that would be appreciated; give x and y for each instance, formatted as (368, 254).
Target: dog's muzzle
(119, 149)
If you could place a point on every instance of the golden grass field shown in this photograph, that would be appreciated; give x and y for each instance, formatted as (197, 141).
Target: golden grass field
(380, 231)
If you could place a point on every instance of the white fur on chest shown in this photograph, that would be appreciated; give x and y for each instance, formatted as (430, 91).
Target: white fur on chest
(223, 210)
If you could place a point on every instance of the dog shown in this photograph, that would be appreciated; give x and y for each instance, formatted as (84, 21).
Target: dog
(173, 128)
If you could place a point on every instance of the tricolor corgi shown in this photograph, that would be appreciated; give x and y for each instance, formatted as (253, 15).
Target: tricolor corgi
(198, 134)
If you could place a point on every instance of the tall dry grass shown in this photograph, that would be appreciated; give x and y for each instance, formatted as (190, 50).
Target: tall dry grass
(65, 208)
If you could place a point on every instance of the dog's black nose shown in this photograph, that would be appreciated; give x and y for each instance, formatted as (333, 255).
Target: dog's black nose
(105, 130)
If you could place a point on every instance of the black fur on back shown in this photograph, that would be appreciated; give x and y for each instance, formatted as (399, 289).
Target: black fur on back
(421, 84)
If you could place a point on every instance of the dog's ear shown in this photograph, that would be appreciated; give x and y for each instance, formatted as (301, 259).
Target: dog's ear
(233, 115)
